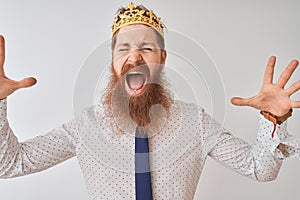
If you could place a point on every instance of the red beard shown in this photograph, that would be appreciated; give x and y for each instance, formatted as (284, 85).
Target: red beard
(143, 109)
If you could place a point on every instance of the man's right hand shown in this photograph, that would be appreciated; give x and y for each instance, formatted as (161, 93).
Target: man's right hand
(8, 86)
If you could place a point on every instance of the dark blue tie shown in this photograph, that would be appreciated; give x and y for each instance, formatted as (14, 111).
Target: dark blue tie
(142, 167)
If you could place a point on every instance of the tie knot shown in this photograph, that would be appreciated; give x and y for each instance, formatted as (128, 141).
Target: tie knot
(141, 132)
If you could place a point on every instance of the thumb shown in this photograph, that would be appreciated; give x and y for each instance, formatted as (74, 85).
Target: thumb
(26, 82)
(240, 101)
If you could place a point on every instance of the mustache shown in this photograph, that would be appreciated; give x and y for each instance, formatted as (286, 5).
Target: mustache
(129, 66)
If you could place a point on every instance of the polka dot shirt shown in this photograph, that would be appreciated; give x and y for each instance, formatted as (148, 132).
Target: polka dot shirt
(177, 153)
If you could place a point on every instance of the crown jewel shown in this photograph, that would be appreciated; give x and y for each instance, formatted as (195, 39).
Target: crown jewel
(132, 14)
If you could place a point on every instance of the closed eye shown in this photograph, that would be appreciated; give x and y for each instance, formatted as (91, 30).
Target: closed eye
(123, 49)
(147, 49)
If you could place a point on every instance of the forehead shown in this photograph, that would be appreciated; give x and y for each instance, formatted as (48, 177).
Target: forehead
(137, 33)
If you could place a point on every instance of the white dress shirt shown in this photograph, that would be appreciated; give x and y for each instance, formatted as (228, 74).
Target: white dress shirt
(177, 153)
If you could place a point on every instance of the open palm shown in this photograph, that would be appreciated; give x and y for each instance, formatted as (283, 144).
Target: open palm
(273, 98)
(8, 86)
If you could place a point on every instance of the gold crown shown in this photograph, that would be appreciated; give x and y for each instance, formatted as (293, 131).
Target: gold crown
(132, 14)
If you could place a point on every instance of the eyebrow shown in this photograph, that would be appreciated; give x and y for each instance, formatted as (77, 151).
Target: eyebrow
(123, 45)
(146, 43)
(140, 45)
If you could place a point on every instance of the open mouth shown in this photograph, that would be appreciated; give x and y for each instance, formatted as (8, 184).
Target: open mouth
(135, 80)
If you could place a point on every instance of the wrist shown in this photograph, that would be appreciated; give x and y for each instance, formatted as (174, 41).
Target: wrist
(276, 119)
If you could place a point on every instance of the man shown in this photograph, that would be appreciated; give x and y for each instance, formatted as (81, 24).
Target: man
(137, 111)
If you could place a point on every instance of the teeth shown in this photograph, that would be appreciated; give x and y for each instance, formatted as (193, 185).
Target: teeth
(135, 73)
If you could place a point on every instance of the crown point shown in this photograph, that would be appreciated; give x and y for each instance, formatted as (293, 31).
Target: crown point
(151, 16)
(131, 6)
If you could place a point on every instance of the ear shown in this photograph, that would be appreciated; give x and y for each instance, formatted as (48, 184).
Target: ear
(163, 56)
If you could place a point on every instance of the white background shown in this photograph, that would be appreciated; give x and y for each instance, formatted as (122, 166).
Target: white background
(51, 39)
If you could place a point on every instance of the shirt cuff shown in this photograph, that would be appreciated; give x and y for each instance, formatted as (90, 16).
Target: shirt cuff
(270, 136)
(3, 108)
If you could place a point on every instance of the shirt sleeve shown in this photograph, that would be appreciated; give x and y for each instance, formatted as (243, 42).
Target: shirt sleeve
(36, 154)
(260, 161)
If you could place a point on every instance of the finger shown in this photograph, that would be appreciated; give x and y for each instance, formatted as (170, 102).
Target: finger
(293, 88)
(2, 55)
(287, 73)
(295, 104)
(269, 72)
(240, 101)
(26, 82)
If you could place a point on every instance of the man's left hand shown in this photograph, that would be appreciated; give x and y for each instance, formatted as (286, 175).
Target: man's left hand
(273, 98)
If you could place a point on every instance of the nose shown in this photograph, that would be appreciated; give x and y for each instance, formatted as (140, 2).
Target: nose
(135, 57)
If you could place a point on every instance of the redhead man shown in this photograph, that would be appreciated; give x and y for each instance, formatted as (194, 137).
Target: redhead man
(140, 142)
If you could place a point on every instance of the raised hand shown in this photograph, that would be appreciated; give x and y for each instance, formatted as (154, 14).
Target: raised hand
(273, 98)
(8, 86)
